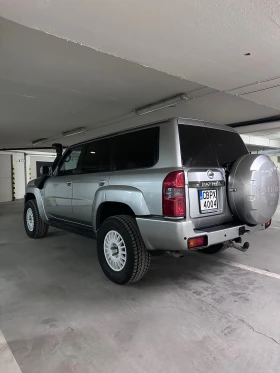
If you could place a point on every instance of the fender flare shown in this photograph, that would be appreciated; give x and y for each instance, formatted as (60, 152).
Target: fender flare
(130, 196)
(39, 200)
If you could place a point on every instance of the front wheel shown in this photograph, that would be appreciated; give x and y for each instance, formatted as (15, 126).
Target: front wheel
(122, 254)
(34, 225)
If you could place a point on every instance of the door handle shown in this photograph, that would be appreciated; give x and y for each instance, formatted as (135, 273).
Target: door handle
(69, 183)
(101, 182)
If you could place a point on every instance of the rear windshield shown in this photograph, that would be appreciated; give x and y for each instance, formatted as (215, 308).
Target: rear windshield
(228, 145)
(204, 147)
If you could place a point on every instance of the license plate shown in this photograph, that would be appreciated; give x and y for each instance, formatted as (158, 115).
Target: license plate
(208, 200)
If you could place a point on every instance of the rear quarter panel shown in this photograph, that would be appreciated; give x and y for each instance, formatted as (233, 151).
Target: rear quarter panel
(149, 181)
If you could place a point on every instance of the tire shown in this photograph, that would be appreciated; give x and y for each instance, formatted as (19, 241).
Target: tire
(212, 249)
(38, 229)
(129, 262)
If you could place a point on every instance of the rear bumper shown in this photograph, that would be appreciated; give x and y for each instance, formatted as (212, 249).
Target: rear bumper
(160, 234)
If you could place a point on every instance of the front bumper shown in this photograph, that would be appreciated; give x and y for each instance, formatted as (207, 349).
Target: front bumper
(161, 234)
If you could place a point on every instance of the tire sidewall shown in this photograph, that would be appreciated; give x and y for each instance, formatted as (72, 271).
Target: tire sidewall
(123, 276)
(30, 205)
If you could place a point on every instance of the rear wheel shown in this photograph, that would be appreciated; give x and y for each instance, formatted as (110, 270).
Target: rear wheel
(122, 254)
(212, 249)
(34, 225)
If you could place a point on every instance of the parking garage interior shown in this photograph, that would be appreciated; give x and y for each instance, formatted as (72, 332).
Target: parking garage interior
(70, 72)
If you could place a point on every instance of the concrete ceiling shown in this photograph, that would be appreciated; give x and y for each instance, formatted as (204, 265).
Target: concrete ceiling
(203, 41)
(264, 142)
(270, 130)
(253, 148)
(50, 84)
(269, 134)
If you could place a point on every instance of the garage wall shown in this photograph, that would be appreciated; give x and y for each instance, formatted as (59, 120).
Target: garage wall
(274, 158)
(19, 168)
(6, 191)
(33, 160)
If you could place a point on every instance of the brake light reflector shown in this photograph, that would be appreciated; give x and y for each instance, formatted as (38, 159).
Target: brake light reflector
(173, 195)
(268, 224)
(199, 241)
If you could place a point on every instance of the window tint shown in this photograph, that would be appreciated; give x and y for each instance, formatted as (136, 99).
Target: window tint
(137, 149)
(97, 157)
(228, 145)
(203, 147)
(71, 163)
(196, 147)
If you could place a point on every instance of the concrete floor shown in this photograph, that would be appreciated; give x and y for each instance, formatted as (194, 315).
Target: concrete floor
(59, 314)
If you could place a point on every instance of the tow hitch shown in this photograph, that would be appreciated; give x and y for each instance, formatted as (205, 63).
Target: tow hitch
(243, 230)
(236, 244)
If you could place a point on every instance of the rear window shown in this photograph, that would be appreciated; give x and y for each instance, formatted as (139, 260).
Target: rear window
(228, 145)
(204, 147)
(196, 149)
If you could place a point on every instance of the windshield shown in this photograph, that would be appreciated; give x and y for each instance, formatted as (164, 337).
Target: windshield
(205, 147)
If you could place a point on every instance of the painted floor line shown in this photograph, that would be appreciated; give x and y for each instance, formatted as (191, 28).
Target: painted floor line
(8, 363)
(274, 227)
(251, 269)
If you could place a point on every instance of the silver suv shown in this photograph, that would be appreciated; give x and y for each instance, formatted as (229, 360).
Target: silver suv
(174, 186)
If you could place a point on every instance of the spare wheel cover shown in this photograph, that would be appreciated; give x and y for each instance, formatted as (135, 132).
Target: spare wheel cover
(253, 189)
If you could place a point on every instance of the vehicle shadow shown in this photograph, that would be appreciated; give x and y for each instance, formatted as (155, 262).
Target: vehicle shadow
(193, 266)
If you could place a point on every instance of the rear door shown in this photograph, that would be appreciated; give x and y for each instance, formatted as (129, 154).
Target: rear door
(94, 176)
(205, 152)
(58, 189)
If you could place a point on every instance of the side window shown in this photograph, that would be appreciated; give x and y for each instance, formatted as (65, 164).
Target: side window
(97, 157)
(71, 163)
(137, 149)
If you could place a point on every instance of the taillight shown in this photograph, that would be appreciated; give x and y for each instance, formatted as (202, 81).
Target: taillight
(173, 195)
(199, 241)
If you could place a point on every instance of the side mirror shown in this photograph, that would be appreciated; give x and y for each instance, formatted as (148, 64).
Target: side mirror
(45, 170)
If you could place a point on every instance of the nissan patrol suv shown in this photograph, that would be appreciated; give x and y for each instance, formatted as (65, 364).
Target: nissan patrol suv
(175, 185)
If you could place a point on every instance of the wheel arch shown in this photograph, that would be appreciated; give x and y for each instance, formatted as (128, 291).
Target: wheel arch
(112, 208)
(29, 196)
(33, 193)
(118, 200)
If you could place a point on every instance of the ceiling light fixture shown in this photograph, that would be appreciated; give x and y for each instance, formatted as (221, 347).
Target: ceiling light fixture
(74, 132)
(39, 141)
(172, 101)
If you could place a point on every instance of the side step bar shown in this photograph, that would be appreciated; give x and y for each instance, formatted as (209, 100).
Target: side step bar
(73, 228)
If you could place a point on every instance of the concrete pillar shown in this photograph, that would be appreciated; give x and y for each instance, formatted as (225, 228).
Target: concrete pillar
(19, 175)
(28, 168)
(6, 178)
